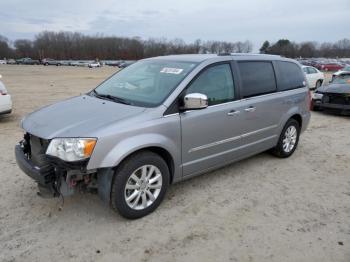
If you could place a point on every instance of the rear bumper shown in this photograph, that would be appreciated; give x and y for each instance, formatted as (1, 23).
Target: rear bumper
(5, 104)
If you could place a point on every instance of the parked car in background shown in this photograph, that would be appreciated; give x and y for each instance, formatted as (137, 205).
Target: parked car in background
(49, 61)
(330, 66)
(163, 120)
(345, 69)
(3, 62)
(334, 96)
(11, 62)
(5, 100)
(126, 64)
(27, 61)
(80, 63)
(314, 77)
(94, 64)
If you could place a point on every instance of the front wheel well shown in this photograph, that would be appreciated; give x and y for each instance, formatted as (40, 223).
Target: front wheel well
(163, 153)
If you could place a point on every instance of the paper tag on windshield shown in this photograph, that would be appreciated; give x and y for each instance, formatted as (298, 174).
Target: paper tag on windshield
(169, 70)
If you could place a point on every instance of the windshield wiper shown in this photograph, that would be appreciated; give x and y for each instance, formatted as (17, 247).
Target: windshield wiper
(111, 98)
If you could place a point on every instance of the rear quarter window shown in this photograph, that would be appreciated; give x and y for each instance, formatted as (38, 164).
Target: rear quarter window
(290, 76)
(258, 78)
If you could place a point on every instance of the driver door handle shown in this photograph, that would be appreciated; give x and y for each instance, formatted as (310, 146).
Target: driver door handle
(250, 109)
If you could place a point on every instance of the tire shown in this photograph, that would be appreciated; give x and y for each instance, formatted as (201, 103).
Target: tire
(318, 84)
(125, 174)
(280, 151)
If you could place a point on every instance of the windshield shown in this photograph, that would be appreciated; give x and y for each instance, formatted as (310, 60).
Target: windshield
(341, 79)
(346, 68)
(146, 83)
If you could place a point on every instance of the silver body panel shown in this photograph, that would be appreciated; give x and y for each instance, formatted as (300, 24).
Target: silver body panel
(197, 140)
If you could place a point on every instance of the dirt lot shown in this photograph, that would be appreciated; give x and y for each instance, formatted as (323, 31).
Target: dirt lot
(260, 209)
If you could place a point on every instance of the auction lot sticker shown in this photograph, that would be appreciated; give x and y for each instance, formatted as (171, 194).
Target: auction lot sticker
(169, 70)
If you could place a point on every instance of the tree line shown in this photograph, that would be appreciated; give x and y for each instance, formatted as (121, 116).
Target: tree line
(72, 45)
(284, 47)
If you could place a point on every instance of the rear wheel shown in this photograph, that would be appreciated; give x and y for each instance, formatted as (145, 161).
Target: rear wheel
(139, 184)
(318, 84)
(288, 140)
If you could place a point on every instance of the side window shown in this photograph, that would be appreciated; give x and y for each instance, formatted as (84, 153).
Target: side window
(312, 70)
(258, 78)
(306, 70)
(216, 83)
(291, 76)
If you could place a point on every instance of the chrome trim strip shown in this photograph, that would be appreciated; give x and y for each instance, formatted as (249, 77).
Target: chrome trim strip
(231, 139)
(214, 144)
(258, 131)
(227, 151)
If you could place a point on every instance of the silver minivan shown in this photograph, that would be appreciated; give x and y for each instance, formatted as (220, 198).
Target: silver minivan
(163, 120)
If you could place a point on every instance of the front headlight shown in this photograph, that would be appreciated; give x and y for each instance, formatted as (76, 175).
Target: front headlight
(317, 96)
(71, 149)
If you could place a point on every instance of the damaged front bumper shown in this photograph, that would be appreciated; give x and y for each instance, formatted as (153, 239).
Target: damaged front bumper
(54, 177)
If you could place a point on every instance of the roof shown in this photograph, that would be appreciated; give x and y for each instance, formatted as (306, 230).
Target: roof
(198, 58)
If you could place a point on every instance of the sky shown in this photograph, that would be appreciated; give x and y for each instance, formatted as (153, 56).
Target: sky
(227, 20)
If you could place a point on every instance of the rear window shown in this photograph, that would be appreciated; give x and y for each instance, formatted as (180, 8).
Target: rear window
(290, 76)
(258, 78)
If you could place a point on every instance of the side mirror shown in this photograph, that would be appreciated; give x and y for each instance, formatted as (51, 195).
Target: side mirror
(195, 101)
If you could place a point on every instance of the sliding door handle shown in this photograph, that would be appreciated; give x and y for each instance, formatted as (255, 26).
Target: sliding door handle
(233, 113)
(250, 109)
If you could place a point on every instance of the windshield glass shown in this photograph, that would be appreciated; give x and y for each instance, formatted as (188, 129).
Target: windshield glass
(146, 83)
(346, 68)
(341, 79)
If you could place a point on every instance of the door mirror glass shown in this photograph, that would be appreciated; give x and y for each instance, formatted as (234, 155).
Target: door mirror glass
(195, 101)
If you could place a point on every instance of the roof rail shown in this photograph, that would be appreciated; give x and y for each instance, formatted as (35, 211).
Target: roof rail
(246, 54)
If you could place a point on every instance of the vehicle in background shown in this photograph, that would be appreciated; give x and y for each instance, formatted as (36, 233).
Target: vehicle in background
(329, 66)
(49, 61)
(113, 62)
(335, 96)
(80, 63)
(345, 69)
(126, 64)
(163, 120)
(27, 61)
(314, 77)
(3, 62)
(94, 64)
(5, 100)
(11, 62)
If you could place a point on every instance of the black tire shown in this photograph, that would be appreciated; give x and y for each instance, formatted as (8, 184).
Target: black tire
(121, 177)
(278, 151)
(318, 84)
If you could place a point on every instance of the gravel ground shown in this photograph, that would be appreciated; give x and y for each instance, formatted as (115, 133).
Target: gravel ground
(259, 209)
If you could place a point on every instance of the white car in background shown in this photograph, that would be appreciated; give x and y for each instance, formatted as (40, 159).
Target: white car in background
(345, 69)
(2, 62)
(94, 65)
(5, 100)
(314, 77)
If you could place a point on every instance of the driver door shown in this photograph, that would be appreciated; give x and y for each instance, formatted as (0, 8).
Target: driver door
(211, 136)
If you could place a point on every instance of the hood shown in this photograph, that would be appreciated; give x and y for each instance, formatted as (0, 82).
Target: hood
(76, 117)
(335, 88)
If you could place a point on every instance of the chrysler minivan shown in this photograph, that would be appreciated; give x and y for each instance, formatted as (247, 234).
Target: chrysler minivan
(163, 120)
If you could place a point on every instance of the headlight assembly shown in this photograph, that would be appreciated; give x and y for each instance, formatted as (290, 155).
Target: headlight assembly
(71, 149)
(317, 96)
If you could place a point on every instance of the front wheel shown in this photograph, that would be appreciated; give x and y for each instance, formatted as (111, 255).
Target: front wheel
(288, 140)
(139, 185)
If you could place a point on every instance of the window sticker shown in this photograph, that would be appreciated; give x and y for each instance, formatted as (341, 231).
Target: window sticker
(169, 70)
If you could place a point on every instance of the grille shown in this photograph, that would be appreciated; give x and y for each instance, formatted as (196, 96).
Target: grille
(339, 99)
(37, 149)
